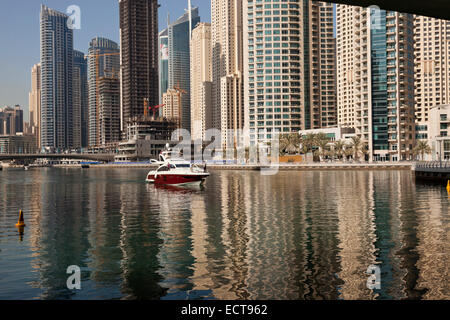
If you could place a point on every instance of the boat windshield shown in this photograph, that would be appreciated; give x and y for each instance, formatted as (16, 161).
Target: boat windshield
(183, 165)
(163, 169)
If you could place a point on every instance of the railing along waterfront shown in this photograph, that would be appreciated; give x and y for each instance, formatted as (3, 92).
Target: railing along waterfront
(432, 165)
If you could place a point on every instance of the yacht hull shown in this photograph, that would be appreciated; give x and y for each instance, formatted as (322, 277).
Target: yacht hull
(177, 179)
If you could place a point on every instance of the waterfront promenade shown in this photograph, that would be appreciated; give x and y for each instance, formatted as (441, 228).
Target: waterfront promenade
(434, 170)
(282, 167)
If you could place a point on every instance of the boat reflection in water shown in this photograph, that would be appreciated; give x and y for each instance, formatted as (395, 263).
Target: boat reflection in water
(176, 188)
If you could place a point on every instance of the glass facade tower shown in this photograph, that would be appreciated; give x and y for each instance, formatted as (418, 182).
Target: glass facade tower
(379, 81)
(179, 61)
(56, 85)
(80, 100)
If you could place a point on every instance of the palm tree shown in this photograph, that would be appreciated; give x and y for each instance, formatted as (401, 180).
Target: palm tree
(284, 142)
(308, 142)
(322, 141)
(357, 146)
(422, 148)
(290, 143)
(365, 149)
(349, 152)
(339, 148)
(332, 154)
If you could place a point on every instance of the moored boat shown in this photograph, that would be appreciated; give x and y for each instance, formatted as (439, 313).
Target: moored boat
(176, 171)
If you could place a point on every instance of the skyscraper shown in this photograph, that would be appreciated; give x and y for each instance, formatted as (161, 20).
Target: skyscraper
(11, 120)
(179, 61)
(376, 79)
(201, 81)
(109, 109)
(139, 56)
(80, 100)
(432, 68)
(34, 99)
(290, 64)
(106, 54)
(227, 66)
(319, 65)
(163, 63)
(56, 75)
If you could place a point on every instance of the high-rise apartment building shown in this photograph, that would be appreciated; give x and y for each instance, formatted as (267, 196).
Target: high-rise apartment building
(139, 56)
(56, 85)
(11, 120)
(80, 100)
(34, 98)
(291, 67)
(320, 98)
(179, 33)
(375, 55)
(227, 68)
(201, 81)
(104, 58)
(173, 106)
(56, 80)
(432, 68)
(109, 109)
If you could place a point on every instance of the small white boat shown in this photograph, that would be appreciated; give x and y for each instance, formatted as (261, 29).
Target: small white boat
(176, 172)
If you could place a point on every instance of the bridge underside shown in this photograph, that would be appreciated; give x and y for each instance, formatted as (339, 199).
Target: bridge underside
(431, 8)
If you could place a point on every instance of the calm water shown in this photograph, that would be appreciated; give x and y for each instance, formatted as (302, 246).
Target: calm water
(296, 235)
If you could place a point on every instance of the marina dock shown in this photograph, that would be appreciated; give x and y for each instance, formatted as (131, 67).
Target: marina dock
(434, 171)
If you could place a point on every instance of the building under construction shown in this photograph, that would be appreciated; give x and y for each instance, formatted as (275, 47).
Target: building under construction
(139, 56)
(142, 127)
(109, 109)
(145, 137)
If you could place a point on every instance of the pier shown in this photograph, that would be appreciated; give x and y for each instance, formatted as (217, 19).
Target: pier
(435, 170)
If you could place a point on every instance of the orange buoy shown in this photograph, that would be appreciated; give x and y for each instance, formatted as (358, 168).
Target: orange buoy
(448, 186)
(21, 222)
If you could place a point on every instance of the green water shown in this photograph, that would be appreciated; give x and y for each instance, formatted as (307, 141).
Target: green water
(295, 235)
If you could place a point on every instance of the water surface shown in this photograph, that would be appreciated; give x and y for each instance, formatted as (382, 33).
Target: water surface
(295, 235)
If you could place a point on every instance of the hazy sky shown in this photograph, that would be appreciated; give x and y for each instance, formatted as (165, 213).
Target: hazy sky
(19, 35)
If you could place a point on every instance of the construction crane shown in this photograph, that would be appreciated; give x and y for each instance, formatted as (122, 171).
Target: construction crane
(155, 108)
(147, 108)
(97, 89)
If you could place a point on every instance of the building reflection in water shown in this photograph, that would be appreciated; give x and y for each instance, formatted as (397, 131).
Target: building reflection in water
(295, 235)
(173, 206)
(60, 235)
(433, 262)
(140, 242)
(104, 220)
(356, 233)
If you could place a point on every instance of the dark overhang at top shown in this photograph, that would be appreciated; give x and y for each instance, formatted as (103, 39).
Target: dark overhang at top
(431, 8)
